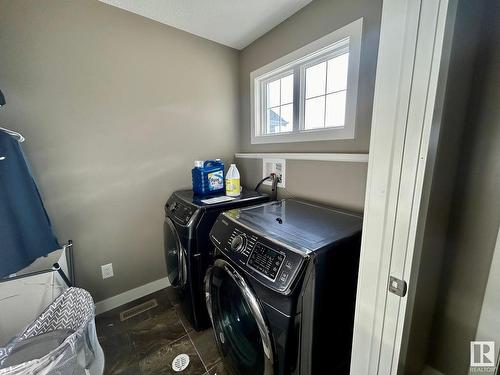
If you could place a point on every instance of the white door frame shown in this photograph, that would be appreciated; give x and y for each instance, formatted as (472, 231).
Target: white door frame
(415, 41)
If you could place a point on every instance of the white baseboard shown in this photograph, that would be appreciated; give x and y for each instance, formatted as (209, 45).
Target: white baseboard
(428, 370)
(130, 295)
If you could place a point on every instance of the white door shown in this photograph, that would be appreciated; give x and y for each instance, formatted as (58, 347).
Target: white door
(412, 69)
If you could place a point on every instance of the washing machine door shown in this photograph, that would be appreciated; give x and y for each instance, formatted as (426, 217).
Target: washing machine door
(241, 332)
(175, 255)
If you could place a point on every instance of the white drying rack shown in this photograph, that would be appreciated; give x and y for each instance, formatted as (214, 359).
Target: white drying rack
(24, 295)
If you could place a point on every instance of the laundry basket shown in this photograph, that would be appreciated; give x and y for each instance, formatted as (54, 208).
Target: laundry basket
(62, 340)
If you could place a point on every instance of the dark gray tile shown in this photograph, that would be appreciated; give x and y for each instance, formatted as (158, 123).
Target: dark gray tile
(130, 369)
(164, 328)
(159, 359)
(148, 342)
(185, 321)
(172, 296)
(217, 369)
(120, 358)
(204, 341)
(109, 323)
(108, 328)
(163, 305)
(163, 299)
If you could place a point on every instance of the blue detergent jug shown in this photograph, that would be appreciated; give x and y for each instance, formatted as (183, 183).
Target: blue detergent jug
(208, 177)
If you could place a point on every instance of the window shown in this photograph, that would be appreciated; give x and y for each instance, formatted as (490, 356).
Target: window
(279, 105)
(311, 93)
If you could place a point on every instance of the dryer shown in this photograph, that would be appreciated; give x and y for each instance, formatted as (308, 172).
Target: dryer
(188, 250)
(281, 293)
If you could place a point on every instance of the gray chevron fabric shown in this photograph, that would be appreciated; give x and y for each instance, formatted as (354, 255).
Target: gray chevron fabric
(71, 312)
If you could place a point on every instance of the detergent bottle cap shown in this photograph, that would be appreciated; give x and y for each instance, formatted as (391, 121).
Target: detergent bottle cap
(198, 163)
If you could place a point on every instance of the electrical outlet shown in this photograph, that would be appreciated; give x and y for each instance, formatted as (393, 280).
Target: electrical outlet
(277, 166)
(107, 270)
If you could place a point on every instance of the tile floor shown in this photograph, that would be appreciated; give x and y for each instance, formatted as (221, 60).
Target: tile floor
(147, 343)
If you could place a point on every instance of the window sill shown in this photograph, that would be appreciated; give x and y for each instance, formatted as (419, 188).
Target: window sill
(337, 157)
(305, 136)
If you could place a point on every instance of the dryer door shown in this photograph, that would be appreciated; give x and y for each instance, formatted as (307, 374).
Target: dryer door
(174, 254)
(240, 329)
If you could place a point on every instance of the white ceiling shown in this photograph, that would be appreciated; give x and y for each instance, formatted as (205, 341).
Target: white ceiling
(235, 23)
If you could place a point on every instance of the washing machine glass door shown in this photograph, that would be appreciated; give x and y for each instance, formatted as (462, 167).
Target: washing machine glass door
(239, 325)
(174, 254)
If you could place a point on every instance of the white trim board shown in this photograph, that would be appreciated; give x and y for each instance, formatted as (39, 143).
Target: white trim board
(411, 69)
(130, 295)
(348, 158)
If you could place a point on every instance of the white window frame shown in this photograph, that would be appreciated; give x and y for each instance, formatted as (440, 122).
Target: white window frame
(345, 39)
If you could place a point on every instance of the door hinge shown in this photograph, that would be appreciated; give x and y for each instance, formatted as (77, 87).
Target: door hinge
(397, 286)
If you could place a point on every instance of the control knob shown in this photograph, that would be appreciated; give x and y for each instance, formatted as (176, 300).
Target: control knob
(238, 243)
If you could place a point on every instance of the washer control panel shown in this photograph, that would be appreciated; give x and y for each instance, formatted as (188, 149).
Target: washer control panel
(179, 211)
(273, 265)
(266, 260)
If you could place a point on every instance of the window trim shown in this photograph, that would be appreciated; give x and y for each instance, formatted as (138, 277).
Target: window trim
(320, 49)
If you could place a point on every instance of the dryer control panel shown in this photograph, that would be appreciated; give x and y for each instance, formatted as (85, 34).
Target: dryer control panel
(272, 264)
(179, 211)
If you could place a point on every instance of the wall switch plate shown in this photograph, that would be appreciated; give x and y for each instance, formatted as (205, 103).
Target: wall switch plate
(277, 166)
(107, 270)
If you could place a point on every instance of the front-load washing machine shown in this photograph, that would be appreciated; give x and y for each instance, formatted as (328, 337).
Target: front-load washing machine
(281, 292)
(188, 250)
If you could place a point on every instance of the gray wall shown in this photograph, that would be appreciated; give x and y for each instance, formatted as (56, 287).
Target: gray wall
(115, 108)
(341, 185)
(475, 213)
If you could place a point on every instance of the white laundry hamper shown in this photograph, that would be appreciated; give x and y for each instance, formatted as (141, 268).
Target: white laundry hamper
(62, 340)
(59, 334)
